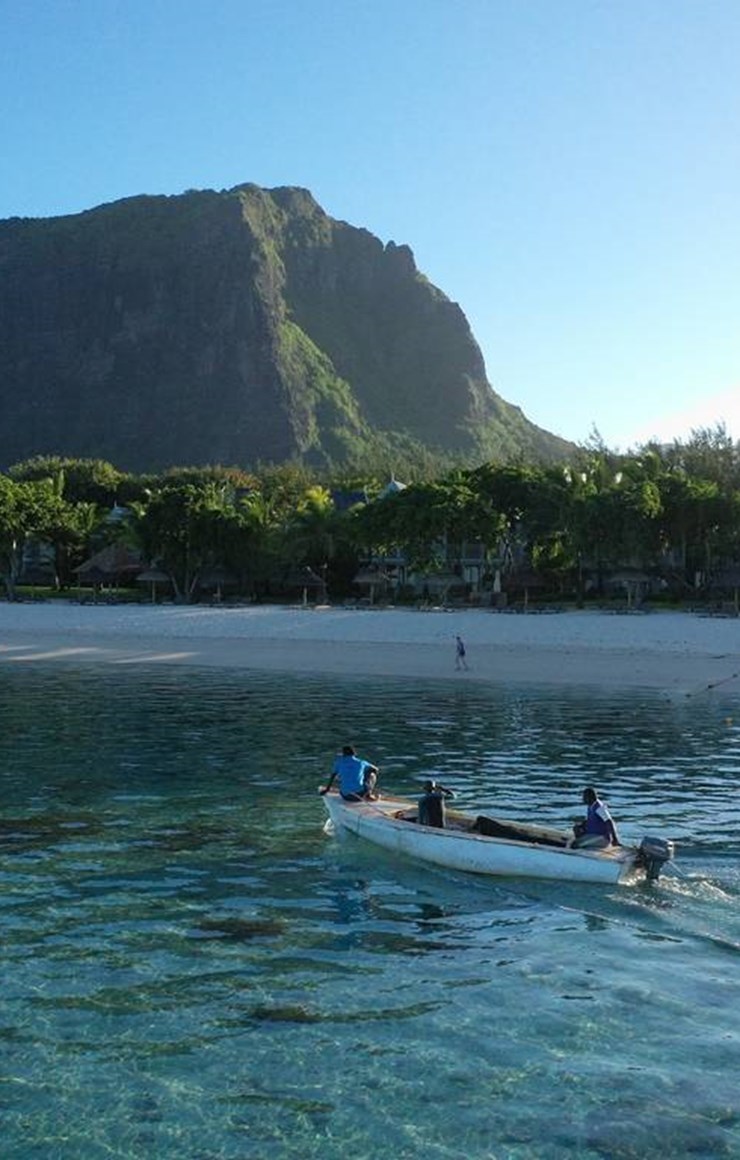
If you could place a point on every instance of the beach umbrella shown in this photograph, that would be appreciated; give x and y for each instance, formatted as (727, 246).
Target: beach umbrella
(440, 583)
(632, 580)
(372, 578)
(110, 565)
(306, 579)
(525, 579)
(217, 577)
(154, 577)
(94, 577)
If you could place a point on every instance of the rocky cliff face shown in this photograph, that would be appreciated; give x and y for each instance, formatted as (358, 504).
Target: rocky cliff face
(232, 327)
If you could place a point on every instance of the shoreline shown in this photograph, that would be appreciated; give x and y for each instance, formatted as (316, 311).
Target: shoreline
(676, 652)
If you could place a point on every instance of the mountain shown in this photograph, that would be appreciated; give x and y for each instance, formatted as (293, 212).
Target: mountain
(233, 327)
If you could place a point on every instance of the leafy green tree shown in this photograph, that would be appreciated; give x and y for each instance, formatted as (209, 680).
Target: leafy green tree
(637, 535)
(234, 478)
(594, 517)
(312, 529)
(253, 543)
(519, 505)
(283, 488)
(694, 511)
(71, 531)
(184, 528)
(710, 454)
(421, 521)
(27, 508)
(84, 480)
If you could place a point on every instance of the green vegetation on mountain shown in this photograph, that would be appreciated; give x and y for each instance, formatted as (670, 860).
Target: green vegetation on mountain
(238, 327)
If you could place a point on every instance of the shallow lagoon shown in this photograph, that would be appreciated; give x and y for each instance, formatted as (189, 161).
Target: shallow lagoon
(192, 968)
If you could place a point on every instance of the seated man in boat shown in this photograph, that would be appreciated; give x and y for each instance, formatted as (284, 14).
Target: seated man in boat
(597, 829)
(432, 804)
(357, 778)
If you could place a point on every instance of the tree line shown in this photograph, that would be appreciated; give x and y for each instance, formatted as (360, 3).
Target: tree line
(671, 511)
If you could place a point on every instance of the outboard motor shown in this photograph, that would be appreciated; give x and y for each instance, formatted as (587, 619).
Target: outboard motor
(652, 855)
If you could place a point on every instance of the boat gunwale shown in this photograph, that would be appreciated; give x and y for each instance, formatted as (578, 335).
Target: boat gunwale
(372, 810)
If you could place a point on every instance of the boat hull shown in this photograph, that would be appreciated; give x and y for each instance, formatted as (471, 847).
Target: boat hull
(475, 853)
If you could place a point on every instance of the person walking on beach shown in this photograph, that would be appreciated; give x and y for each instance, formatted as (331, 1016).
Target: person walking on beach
(357, 778)
(460, 661)
(597, 829)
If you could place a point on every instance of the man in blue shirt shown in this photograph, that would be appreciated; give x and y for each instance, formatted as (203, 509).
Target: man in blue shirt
(357, 778)
(598, 829)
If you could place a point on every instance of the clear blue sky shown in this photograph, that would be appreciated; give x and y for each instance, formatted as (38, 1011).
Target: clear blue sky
(567, 170)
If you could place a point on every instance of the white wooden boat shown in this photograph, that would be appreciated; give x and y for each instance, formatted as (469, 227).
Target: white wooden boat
(484, 845)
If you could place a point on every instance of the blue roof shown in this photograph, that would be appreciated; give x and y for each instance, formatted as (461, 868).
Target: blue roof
(343, 500)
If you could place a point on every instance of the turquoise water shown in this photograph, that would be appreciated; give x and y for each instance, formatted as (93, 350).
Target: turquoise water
(192, 968)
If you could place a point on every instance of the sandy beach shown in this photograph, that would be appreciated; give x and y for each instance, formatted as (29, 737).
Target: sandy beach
(674, 651)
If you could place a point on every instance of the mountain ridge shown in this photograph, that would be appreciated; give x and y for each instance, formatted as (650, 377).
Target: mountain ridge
(232, 327)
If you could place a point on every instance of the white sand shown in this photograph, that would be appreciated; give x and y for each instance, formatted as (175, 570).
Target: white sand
(673, 651)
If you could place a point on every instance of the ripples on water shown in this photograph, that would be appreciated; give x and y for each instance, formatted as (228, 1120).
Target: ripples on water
(192, 968)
